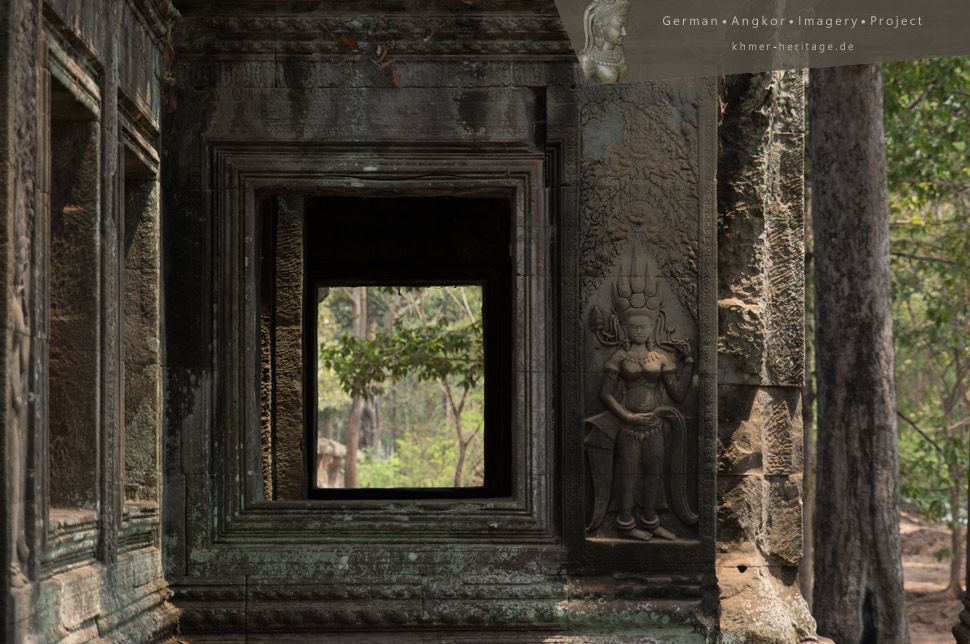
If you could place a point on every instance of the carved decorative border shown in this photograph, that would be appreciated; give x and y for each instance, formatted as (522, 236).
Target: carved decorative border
(707, 306)
(358, 33)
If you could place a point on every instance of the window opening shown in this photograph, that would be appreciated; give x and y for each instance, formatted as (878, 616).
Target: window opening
(400, 382)
(434, 278)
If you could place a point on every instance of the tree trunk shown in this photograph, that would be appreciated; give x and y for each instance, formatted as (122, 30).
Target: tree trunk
(358, 308)
(373, 426)
(805, 573)
(353, 442)
(460, 465)
(858, 593)
(955, 587)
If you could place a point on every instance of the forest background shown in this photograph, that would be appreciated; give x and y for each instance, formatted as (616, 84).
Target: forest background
(889, 180)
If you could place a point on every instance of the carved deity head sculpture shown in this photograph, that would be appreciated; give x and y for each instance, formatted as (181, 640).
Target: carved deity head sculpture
(604, 26)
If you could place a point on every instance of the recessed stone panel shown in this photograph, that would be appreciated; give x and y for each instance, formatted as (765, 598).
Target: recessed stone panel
(646, 262)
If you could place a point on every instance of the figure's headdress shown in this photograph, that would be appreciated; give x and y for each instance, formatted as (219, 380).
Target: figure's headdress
(637, 292)
(601, 11)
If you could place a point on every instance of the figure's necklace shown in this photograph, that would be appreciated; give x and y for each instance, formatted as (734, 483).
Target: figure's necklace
(606, 57)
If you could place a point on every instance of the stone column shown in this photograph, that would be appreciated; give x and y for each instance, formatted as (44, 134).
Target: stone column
(761, 357)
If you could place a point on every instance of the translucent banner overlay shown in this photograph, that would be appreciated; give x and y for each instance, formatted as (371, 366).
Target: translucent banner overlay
(637, 40)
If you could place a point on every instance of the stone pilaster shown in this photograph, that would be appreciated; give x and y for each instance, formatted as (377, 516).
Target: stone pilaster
(761, 358)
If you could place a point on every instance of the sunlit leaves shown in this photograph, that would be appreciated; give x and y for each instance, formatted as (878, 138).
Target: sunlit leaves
(421, 366)
(927, 110)
(927, 129)
(431, 351)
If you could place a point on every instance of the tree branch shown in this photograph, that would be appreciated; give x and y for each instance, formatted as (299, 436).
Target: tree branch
(463, 302)
(921, 97)
(920, 431)
(924, 258)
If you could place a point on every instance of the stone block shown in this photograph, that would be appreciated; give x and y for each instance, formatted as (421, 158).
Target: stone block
(762, 605)
(80, 595)
(759, 428)
(142, 433)
(760, 234)
(781, 419)
(186, 413)
(741, 339)
(73, 447)
(185, 312)
(783, 520)
(739, 430)
(288, 412)
(289, 262)
(740, 514)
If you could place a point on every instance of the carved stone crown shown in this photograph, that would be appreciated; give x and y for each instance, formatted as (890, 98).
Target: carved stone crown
(605, 9)
(636, 292)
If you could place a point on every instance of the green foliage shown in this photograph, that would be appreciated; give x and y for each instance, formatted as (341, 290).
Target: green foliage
(927, 106)
(331, 401)
(421, 365)
(927, 110)
(434, 351)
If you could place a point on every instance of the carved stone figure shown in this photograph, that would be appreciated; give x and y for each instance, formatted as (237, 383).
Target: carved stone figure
(628, 445)
(604, 26)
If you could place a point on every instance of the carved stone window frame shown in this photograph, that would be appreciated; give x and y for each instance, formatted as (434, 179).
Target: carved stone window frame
(234, 510)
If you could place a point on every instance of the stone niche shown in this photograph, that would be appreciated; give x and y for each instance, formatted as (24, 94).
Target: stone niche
(607, 529)
(647, 257)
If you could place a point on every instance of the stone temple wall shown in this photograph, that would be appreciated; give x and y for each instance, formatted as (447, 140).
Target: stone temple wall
(81, 381)
(681, 198)
(648, 481)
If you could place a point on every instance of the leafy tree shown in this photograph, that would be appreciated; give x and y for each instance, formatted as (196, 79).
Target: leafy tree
(431, 336)
(331, 401)
(433, 351)
(927, 111)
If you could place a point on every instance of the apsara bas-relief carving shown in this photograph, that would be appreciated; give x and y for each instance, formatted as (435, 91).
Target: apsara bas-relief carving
(638, 450)
(604, 26)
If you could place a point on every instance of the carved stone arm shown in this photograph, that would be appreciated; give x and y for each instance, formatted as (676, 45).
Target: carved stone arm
(607, 391)
(678, 378)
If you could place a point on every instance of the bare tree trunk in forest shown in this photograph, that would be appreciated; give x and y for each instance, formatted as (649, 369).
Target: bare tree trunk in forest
(805, 572)
(858, 594)
(353, 442)
(370, 405)
(454, 411)
(462, 448)
(955, 587)
(358, 308)
(373, 424)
